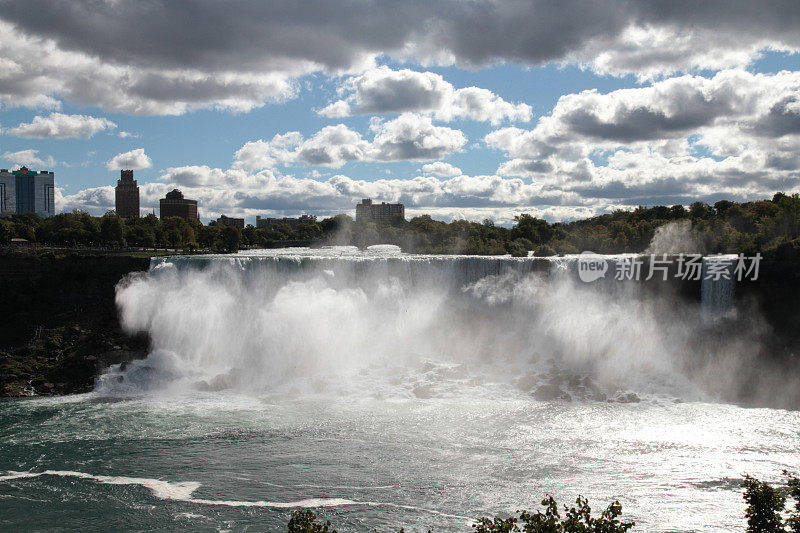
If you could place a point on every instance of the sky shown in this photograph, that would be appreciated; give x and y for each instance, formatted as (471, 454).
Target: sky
(459, 109)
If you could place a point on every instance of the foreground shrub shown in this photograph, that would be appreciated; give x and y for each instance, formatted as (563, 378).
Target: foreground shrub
(304, 522)
(766, 505)
(576, 520)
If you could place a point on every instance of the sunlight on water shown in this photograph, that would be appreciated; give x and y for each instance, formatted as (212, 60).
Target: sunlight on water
(393, 391)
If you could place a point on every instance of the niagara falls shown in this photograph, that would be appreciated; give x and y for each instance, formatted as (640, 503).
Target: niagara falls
(450, 266)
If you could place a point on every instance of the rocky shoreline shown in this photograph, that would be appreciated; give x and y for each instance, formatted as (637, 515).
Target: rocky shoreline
(60, 328)
(65, 360)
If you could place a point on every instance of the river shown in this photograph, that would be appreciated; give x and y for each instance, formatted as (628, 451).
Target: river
(390, 391)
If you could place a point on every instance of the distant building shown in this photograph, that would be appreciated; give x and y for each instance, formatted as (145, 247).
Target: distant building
(175, 205)
(228, 221)
(8, 194)
(275, 223)
(27, 191)
(367, 211)
(127, 195)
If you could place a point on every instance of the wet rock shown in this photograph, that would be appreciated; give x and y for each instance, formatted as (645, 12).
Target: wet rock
(627, 397)
(548, 392)
(593, 390)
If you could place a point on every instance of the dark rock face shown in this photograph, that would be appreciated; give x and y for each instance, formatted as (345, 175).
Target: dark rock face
(60, 327)
(626, 397)
(65, 360)
(548, 392)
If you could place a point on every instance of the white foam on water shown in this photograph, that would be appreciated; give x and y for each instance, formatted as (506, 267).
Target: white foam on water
(310, 502)
(163, 490)
(183, 490)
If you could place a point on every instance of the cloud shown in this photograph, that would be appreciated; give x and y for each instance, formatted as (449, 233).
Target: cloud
(735, 134)
(151, 58)
(96, 200)
(408, 137)
(38, 71)
(333, 146)
(61, 126)
(383, 90)
(133, 160)
(29, 158)
(441, 169)
(414, 137)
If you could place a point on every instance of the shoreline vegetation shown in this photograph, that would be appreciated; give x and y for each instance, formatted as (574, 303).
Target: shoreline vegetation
(770, 226)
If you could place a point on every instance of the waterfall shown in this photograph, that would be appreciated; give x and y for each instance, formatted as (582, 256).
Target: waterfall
(718, 284)
(348, 264)
(342, 321)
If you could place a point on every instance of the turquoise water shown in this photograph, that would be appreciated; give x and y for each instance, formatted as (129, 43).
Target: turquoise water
(389, 391)
(221, 462)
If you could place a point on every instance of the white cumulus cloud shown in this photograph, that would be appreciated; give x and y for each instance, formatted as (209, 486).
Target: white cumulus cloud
(383, 90)
(409, 137)
(441, 169)
(736, 134)
(132, 160)
(29, 158)
(61, 126)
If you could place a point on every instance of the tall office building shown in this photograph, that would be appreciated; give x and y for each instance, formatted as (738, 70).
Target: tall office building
(127, 195)
(27, 191)
(367, 211)
(175, 205)
(8, 194)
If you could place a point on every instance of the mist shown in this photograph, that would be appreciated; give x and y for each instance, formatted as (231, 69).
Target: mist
(382, 325)
(675, 238)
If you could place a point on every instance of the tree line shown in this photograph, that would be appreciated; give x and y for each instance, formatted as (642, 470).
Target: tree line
(725, 226)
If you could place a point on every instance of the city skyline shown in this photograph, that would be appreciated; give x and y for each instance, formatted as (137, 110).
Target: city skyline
(573, 114)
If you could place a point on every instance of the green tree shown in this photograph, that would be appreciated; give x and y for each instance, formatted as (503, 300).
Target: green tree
(793, 483)
(209, 236)
(231, 238)
(529, 227)
(577, 519)
(6, 231)
(305, 522)
(764, 506)
(112, 230)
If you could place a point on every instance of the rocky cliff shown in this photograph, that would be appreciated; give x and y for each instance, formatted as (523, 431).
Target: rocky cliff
(60, 325)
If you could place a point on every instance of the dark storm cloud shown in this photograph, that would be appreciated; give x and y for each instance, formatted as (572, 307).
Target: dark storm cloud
(260, 36)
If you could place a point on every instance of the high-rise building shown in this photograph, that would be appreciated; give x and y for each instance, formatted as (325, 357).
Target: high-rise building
(8, 194)
(27, 191)
(175, 205)
(367, 211)
(127, 195)
(228, 221)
